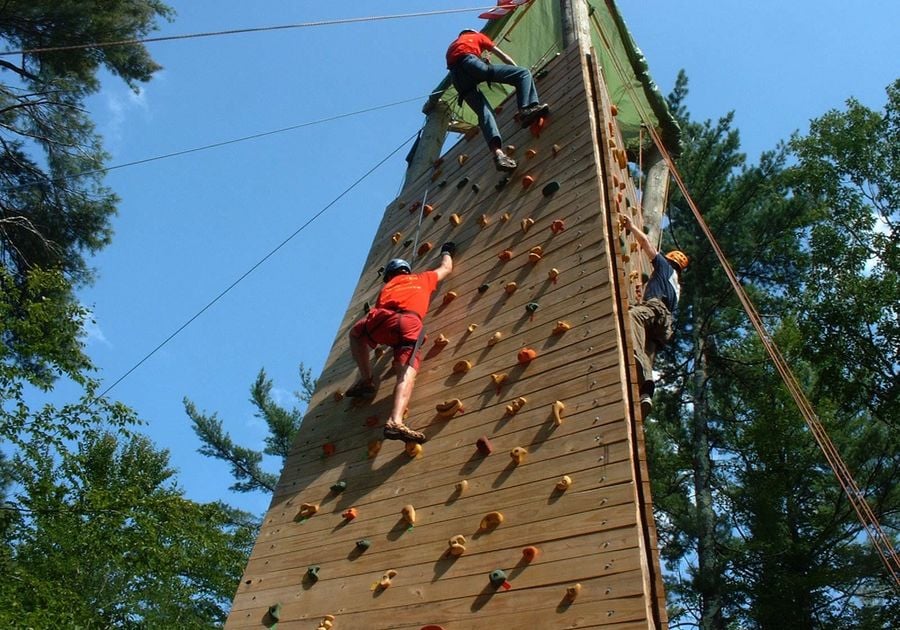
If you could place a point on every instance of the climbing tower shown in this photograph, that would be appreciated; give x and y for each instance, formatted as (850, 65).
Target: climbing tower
(529, 506)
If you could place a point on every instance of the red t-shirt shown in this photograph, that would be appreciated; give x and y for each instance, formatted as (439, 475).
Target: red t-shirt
(408, 292)
(468, 44)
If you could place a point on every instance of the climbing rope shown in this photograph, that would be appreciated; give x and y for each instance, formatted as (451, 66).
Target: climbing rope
(237, 31)
(880, 540)
(252, 268)
(419, 227)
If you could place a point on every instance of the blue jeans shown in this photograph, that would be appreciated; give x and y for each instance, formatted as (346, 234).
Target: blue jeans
(470, 70)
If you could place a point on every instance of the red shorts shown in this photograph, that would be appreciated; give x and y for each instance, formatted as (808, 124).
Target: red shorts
(399, 330)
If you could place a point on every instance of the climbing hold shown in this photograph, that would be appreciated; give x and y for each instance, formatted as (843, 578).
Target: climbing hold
(407, 242)
(374, 448)
(449, 296)
(491, 520)
(511, 288)
(462, 158)
(312, 574)
(632, 247)
(564, 483)
(530, 553)
(350, 514)
(379, 352)
(455, 219)
(339, 487)
(557, 226)
(572, 592)
(461, 367)
(425, 247)
(462, 486)
(484, 446)
(441, 341)
(526, 356)
(506, 216)
(449, 408)
(327, 623)
(613, 110)
(527, 223)
(535, 254)
(412, 449)
(510, 149)
(558, 407)
(531, 307)
(500, 185)
(275, 612)
(483, 288)
(457, 545)
(505, 255)
(462, 182)
(561, 327)
(414, 206)
(538, 126)
(436, 175)
(471, 327)
(498, 577)
(611, 143)
(427, 210)
(385, 581)
(518, 454)
(475, 188)
(396, 237)
(621, 158)
(338, 396)
(307, 510)
(498, 380)
(513, 407)
(372, 421)
(550, 188)
(553, 274)
(530, 153)
(634, 274)
(497, 336)
(409, 514)
(527, 181)
(363, 544)
(484, 220)
(556, 149)
(328, 449)
(442, 183)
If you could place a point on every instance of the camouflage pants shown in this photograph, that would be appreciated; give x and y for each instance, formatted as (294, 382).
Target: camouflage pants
(651, 329)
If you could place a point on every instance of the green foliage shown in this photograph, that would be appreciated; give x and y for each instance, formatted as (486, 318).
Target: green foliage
(246, 463)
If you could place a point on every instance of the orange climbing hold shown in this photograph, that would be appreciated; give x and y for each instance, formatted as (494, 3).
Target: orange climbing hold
(561, 327)
(513, 407)
(613, 110)
(495, 338)
(413, 450)
(461, 367)
(457, 545)
(441, 341)
(535, 254)
(455, 219)
(449, 408)
(621, 158)
(427, 210)
(328, 449)
(564, 483)
(449, 296)
(499, 379)
(350, 514)
(484, 220)
(556, 149)
(471, 327)
(527, 181)
(484, 446)
(510, 149)
(506, 216)
(338, 396)
(327, 623)
(385, 581)
(491, 520)
(530, 553)
(557, 226)
(527, 223)
(462, 486)
(307, 510)
(374, 448)
(462, 158)
(553, 274)
(526, 355)
(572, 592)
(505, 255)
(409, 514)
(425, 247)
(518, 454)
(511, 288)
(558, 407)
(530, 153)
(396, 237)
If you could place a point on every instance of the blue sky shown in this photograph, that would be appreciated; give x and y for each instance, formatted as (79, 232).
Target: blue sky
(188, 226)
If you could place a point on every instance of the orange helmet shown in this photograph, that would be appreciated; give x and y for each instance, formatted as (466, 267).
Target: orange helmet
(679, 258)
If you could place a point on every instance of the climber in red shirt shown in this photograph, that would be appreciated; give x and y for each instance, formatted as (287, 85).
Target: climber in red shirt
(396, 321)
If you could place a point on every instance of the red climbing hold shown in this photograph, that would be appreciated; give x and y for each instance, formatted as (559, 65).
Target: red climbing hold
(527, 355)
(557, 226)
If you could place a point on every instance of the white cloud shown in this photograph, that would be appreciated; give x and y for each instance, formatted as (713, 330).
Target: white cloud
(121, 104)
(92, 330)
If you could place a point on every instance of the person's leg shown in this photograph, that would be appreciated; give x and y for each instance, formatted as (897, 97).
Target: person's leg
(521, 79)
(360, 351)
(360, 342)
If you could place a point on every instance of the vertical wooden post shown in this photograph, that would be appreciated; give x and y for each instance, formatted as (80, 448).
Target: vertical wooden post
(428, 149)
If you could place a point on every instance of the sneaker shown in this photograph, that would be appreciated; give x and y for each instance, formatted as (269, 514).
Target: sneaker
(362, 389)
(400, 431)
(528, 115)
(505, 163)
(646, 405)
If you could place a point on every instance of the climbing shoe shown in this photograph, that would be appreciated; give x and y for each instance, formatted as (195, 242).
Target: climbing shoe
(528, 115)
(505, 163)
(362, 389)
(403, 432)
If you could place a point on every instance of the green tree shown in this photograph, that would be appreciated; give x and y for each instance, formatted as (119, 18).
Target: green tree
(247, 463)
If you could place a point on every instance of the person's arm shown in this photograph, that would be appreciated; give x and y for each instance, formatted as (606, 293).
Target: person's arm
(446, 265)
(640, 237)
(503, 56)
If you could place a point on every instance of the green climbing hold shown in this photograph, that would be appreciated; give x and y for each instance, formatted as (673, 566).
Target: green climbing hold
(498, 577)
(531, 307)
(483, 288)
(363, 544)
(340, 486)
(550, 188)
(275, 612)
(475, 188)
(313, 573)
(462, 182)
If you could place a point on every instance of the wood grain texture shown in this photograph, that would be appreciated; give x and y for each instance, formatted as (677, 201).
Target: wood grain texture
(593, 532)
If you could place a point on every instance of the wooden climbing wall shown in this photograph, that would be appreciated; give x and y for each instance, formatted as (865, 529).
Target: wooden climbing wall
(597, 533)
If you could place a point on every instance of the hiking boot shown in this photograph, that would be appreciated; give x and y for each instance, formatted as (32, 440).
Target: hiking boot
(646, 405)
(362, 389)
(505, 163)
(399, 431)
(528, 115)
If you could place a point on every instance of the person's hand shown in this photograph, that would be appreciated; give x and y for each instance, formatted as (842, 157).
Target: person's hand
(448, 248)
(626, 221)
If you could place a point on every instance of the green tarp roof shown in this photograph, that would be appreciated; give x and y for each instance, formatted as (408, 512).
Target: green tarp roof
(532, 35)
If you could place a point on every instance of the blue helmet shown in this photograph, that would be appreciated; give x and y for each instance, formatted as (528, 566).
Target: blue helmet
(397, 265)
